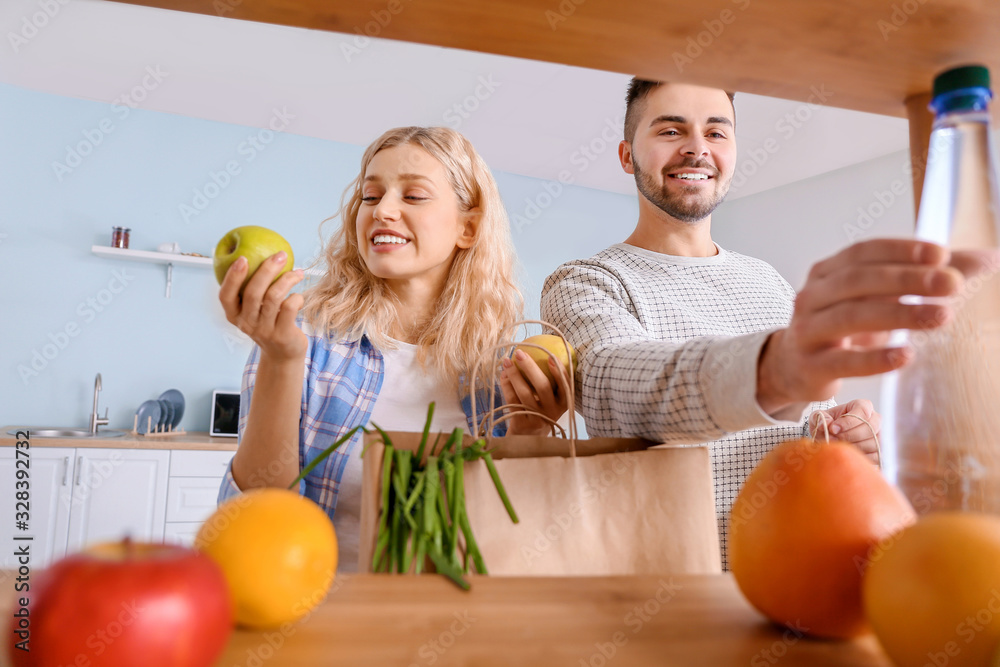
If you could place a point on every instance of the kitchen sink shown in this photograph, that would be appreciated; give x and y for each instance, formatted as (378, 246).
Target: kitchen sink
(49, 432)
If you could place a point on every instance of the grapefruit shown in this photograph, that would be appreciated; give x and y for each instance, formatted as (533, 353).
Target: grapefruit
(800, 532)
(278, 551)
(933, 594)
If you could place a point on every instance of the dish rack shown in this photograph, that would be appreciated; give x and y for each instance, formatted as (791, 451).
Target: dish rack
(158, 431)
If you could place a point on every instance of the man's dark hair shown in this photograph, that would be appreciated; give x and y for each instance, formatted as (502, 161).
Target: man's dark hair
(638, 89)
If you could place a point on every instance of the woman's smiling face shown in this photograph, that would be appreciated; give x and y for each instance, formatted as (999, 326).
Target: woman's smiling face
(410, 222)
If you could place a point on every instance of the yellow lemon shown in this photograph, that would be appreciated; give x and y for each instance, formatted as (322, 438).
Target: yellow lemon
(278, 551)
(553, 344)
(932, 594)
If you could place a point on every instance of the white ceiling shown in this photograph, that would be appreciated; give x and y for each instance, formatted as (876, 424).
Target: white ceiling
(530, 118)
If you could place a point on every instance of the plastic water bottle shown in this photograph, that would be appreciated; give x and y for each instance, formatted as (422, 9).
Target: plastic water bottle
(942, 409)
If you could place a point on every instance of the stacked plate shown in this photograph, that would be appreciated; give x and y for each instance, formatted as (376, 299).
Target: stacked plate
(162, 414)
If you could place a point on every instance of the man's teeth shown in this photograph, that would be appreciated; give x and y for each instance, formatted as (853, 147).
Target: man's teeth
(692, 177)
(388, 238)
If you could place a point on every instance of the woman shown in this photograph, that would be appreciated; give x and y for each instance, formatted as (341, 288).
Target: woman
(419, 286)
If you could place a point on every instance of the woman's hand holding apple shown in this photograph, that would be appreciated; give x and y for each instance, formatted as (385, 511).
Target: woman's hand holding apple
(266, 312)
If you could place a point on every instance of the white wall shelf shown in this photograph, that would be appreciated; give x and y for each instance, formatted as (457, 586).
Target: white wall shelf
(150, 256)
(168, 258)
(154, 257)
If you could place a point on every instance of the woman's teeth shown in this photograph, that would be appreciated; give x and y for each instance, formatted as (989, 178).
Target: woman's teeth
(382, 239)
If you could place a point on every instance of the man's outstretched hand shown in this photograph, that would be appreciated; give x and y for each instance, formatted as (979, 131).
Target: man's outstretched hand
(843, 317)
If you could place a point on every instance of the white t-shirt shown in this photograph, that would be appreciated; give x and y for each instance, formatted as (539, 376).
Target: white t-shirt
(401, 406)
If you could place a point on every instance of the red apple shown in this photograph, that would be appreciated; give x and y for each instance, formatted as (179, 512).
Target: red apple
(124, 604)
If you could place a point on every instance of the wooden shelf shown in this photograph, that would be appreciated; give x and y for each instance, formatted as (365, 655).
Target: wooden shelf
(868, 55)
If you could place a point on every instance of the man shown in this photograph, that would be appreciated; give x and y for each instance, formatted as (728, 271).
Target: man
(681, 341)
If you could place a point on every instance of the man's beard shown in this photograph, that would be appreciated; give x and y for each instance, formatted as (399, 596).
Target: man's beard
(680, 206)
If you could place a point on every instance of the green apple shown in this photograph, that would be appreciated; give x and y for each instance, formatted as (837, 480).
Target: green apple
(254, 243)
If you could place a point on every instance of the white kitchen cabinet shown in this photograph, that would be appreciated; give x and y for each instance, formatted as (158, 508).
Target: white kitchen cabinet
(51, 474)
(192, 491)
(181, 532)
(85, 495)
(118, 492)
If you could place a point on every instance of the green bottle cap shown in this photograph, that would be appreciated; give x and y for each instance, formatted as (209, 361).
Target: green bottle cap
(969, 76)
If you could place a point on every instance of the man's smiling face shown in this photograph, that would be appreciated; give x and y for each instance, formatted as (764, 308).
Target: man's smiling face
(683, 154)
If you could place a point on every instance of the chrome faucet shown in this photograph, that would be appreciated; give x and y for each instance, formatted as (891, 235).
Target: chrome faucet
(95, 419)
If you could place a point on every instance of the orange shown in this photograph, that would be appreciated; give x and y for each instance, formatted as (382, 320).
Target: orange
(800, 531)
(278, 551)
(933, 593)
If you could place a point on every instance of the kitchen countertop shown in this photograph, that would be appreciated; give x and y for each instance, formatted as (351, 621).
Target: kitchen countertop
(683, 620)
(198, 440)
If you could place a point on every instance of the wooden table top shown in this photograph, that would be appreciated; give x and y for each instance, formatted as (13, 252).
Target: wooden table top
(388, 620)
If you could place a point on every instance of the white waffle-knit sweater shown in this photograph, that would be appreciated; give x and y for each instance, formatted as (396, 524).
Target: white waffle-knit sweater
(668, 349)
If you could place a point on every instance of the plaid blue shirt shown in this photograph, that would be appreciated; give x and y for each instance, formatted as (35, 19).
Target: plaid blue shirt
(340, 386)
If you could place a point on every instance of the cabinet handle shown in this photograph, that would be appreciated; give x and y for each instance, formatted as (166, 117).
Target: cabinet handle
(65, 470)
(79, 469)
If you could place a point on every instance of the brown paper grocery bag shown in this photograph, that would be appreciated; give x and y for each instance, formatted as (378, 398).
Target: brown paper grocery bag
(618, 507)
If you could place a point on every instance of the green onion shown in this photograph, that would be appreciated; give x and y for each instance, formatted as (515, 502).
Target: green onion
(423, 507)
(322, 455)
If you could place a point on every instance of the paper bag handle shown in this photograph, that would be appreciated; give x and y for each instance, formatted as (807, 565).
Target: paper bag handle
(553, 424)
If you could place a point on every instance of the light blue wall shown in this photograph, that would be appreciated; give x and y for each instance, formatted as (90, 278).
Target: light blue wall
(138, 175)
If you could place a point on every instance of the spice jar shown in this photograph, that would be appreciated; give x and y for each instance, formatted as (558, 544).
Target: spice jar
(119, 237)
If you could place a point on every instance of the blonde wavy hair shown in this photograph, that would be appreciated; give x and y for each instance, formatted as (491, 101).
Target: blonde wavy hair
(481, 299)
